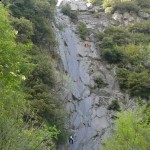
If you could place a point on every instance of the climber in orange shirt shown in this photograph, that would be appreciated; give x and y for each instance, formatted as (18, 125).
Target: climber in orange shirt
(86, 43)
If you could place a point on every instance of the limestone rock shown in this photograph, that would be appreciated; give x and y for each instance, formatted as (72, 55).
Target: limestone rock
(85, 106)
(116, 16)
(101, 111)
(144, 15)
(99, 123)
(89, 117)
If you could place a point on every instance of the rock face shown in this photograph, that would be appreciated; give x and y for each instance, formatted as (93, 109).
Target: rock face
(76, 4)
(90, 121)
(127, 19)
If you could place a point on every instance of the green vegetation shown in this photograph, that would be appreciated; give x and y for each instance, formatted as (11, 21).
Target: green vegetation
(24, 28)
(132, 131)
(99, 2)
(39, 13)
(14, 68)
(140, 28)
(129, 48)
(143, 3)
(126, 6)
(100, 83)
(11, 76)
(136, 82)
(66, 10)
(108, 40)
(83, 31)
(123, 5)
(31, 114)
(43, 103)
(114, 106)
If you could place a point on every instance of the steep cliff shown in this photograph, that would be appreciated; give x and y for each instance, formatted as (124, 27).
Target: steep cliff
(90, 119)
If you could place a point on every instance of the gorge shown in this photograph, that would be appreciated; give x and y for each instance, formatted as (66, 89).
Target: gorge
(90, 118)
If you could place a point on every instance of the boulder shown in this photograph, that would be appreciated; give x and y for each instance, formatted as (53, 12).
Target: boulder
(99, 123)
(117, 16)
(144, 15)
(101, 112)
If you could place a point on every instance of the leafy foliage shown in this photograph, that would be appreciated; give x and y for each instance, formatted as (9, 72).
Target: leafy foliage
(132, 131)
(83, 31)
(140, 28)
(114, 106)
(126, 6)
(38, 86)
(143, 4)
(95, 1)
(14, 67)
(66, 10)
(32, 20)
(139, 83)
(112, 55)
(42, 138)
(39, 13)
(100, 83)
(130, 50)
(108, 40)
(24, 28)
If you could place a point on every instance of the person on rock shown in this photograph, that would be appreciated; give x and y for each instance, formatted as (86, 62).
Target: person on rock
(86, 43)
(71, 139)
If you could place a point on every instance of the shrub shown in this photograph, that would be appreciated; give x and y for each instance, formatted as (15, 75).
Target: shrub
(40, 13)
(140, 28)
(100, 36)
(95, 1)
(114, 106)
(24, 28)
(143, 3)
(131, 131)
(122, 77)
(147, 10)
(73, 16)
(100, 83)
(39, 87)
(139, 84)
(136, 82)
(112, 55)
(109, 3)
(140, 38)
(135, 54)
(66, 10)
(119, 36)
(126, 6)
(107, 42)
(83, 31)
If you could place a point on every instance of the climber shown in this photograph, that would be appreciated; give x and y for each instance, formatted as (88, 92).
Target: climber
(86, 43)
(71, 139)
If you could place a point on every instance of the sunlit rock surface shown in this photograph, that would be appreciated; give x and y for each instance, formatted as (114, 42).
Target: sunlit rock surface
(90, 120)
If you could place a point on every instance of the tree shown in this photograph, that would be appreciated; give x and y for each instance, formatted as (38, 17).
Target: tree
(39, 13)
(131, 131)
(14, 66)
(15, 133)
(83, 31)
(139, 84)
(24, 28)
